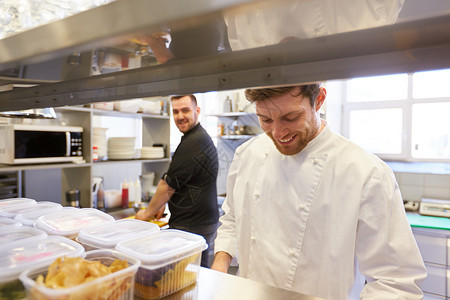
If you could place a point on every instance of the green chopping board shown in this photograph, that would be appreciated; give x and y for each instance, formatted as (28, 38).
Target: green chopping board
(416, 220)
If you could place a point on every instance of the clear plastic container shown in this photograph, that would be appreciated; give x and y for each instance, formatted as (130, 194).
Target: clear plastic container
(118, 285)
(29, 218)
(19, 234)
(13, 210)
(170, 260)
(32, 254)
(15, 201)
(68, 223)
(7, 222)
(107, 236)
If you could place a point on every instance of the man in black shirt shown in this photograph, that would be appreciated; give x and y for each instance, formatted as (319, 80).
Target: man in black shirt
(189, 186)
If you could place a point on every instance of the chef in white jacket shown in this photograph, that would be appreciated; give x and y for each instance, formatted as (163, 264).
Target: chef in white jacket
(310, 211)
(272, 21)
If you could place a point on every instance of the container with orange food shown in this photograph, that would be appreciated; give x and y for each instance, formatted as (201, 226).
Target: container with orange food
(101, 275)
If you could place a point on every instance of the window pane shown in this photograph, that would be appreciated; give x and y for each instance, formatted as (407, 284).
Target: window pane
(431, 84)
(377, 130)
(378, 88)
(430, 130)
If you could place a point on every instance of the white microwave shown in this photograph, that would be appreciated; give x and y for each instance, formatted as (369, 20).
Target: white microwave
(28, 144)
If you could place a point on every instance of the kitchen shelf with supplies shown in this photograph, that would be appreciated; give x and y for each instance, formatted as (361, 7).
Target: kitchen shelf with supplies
(153, 130)
(234, 128)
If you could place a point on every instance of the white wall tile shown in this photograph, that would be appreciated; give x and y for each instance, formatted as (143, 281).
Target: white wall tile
(434, 180)
(412, 178)
(411, 192)
(436, 193)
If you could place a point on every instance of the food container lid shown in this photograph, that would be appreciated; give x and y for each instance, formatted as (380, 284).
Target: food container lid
(34, 254)
(163, 247)
(15, 201)
(18, 234)
(30, 217)
(110, 234)
(12, 211)
(69, 222)
(9, 222)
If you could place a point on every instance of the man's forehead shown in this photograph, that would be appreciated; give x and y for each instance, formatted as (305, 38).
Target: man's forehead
(283, 103)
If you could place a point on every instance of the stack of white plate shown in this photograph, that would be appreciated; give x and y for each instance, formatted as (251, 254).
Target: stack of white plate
(99, 141)
(152, 152)
(121, 148)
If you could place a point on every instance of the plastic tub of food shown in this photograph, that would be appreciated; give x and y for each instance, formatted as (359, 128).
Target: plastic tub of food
(29, 218)
(15, 201)
(13, 210)
(19, 234)
(107, 236)
(170, 261)
(118, 285)
(32, 254)
(7, 222)
(68, 223)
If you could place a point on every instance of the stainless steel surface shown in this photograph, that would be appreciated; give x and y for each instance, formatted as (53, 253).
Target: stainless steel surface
(105, 25)
(120, 213)
(212, 285)
(420, 44)
(406, 47)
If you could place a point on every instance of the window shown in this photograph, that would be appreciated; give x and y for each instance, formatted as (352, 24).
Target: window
(401, 116)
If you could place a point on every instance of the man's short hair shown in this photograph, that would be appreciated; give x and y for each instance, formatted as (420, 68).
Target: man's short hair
(308, 90)
(193, 98)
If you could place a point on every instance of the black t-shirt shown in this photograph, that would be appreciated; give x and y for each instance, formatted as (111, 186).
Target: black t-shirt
(193, 173)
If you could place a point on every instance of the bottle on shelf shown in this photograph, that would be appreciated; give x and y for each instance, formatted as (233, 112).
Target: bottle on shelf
(131, 192)
(227, 105)
(125, 194)
(137, 192)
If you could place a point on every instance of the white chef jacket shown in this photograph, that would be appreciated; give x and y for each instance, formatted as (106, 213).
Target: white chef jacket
(273, 21)
(316, 221)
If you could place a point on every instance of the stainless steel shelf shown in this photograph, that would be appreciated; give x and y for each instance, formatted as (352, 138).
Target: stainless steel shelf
(235, 137)
(5, 168)
(416, 45)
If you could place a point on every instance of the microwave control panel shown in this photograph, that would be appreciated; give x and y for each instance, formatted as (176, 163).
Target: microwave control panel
(76, 144)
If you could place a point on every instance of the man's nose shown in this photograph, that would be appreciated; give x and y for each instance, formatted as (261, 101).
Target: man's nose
(278, 130)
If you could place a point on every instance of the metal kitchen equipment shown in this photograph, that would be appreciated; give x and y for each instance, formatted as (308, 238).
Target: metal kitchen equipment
(435, 207)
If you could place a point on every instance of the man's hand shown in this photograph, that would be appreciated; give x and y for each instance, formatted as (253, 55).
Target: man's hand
(143, 215)
(222, 261)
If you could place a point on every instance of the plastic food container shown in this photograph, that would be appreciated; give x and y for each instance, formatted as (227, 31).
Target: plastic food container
(7, 222)
(118, 285)
(170, 261)
(29, 218)
(68, 223)
(13, 210)
(107, 236)
(19, 234)
(16, 201)
(32, 254)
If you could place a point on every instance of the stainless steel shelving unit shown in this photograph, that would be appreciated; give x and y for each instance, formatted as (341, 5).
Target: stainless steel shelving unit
(420, 44)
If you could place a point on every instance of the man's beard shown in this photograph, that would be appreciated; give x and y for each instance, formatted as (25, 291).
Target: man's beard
(302, 139)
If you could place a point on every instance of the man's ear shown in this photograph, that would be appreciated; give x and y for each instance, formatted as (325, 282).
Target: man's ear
(320, 99)
(198, 109)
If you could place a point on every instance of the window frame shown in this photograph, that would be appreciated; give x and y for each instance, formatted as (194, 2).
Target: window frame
(405, 105)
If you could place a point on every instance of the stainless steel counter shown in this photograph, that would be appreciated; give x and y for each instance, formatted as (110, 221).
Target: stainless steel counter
(213, 285)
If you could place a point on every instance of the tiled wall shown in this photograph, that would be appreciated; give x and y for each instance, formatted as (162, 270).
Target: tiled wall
(415, 186)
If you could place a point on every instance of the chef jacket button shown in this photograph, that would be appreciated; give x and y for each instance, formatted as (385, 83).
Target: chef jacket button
(291, 252)
(316, 161)
(253, 239)
(301, 207)
(266, 154)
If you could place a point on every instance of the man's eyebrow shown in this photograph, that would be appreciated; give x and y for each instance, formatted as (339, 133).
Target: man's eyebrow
(261, 115)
